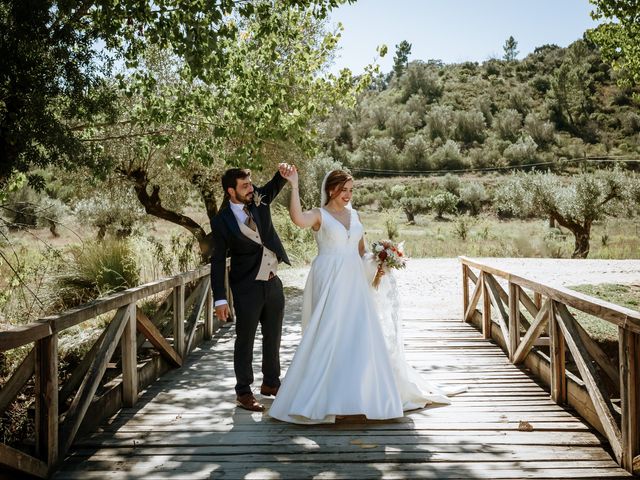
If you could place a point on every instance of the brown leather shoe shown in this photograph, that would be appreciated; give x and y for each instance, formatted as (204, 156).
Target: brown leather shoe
(249, 402)
(268, 391)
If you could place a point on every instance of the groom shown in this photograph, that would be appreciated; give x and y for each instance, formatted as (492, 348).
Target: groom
(243, 230)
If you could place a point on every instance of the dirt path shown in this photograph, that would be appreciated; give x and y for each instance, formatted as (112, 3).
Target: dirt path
(433, 285)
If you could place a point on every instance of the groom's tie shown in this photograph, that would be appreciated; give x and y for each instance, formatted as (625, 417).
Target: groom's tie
(249, 221)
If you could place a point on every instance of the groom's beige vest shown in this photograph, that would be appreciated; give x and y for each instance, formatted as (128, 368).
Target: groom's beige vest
(269, 263)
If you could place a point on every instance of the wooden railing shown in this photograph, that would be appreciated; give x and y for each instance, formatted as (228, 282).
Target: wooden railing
(58, 420)
(604, 393)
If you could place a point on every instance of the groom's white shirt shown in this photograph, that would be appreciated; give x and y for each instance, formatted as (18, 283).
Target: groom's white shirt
(269, 264)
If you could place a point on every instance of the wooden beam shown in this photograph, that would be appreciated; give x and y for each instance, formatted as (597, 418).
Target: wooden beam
(19, 378)
(151, 332)
(531, 306)
(82, 400)
(486, 308)
(472, 276)
(195, 314)
(474, 300)
(557, 358)
(209, 326)
(597, 354)
(591, 379)
(629, 353)
(608, 311)
(24, 335)
(115, 301)
(503, 317)
(128, 347)
(514, 319)
(537, 299)
(46, 393)
(78, 374)
(178, 320)
(533, 333)
(465, 291)
(21, 462)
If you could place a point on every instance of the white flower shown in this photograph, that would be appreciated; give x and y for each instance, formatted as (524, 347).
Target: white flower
(257, 199)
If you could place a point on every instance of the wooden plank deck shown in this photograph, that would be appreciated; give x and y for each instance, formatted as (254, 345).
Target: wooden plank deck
(505, 426)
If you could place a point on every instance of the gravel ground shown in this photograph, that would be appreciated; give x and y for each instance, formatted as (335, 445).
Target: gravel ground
(431, 287)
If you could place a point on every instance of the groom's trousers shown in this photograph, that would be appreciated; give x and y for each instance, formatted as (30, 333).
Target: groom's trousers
(262, 304)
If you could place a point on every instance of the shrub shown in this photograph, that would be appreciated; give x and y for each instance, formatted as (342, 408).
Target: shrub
(470, 127)
(378, 153)
(415, 155)
(507, 124)
(117, 212)
(630, 123)
(451, 184)
(473, 195)
(523, 152)
(439, 122)
(92, 270)
(420, 78)
(448, 157)
(443, 203)
(412, 206)
(540, 131)
(399, 125)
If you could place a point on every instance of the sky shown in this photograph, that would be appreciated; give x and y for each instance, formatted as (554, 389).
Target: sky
(454, 30)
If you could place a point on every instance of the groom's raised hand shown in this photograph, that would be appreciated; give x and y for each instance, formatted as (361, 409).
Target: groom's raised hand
(289, 173)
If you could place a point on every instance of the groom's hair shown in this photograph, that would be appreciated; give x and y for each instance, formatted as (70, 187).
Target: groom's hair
(231, 177)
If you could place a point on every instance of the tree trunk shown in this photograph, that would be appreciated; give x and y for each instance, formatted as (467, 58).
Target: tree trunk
(581, 233)
(153, 206)
(410, 216)
(582, 237)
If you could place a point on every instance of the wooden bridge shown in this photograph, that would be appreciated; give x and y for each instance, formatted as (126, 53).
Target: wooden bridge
(154, 398)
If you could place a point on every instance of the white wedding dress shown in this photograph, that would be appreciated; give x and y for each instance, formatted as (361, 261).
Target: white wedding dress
(350, 360)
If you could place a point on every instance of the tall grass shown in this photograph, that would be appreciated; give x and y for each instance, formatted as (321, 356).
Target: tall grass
(94, 269)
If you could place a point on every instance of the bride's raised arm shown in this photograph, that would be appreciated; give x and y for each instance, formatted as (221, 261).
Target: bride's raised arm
(310, 218)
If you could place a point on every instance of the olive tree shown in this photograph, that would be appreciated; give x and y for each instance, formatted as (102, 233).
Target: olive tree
(574, 203)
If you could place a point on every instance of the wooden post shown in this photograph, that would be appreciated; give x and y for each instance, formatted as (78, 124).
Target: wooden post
(178, 320)
(46, 393)
(557, 357)
(537, 299)
(128, 346)
(514, 319)
(629, 349)
(486, 308)
(208, 314)
(465, 290)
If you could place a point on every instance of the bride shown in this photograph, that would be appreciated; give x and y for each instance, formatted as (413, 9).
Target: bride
(350, 360)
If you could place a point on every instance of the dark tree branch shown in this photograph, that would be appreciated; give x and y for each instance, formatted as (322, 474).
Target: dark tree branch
(153, 206)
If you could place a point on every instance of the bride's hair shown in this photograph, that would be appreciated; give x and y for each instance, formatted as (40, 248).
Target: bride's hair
(337, 178)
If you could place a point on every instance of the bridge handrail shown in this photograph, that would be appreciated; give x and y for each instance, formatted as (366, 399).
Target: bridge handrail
(612, 313)
(589, 393)
(130, 328)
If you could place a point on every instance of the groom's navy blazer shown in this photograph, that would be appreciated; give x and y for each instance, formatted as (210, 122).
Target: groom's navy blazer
(246, 255)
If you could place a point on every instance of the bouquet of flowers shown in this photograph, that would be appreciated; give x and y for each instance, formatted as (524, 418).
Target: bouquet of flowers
(387, 255)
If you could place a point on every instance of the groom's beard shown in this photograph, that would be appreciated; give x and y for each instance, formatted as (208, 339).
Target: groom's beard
(246, 199)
